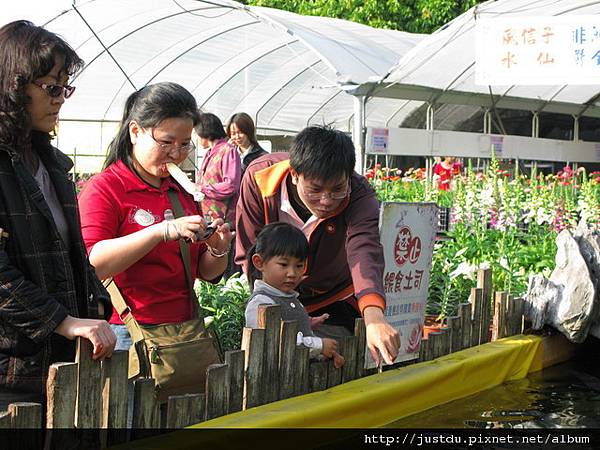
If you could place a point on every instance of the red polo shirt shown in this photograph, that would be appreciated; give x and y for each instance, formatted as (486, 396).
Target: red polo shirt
(116, 203)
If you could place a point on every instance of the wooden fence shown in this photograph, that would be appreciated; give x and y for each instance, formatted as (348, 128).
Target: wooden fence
(90, 394)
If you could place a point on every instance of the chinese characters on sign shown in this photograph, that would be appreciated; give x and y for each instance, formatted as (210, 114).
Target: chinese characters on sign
(538, 50)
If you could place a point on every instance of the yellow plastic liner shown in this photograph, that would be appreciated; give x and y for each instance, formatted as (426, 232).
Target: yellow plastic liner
(379, 399)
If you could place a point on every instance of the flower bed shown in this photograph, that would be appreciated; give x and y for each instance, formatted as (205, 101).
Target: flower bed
(501, 220)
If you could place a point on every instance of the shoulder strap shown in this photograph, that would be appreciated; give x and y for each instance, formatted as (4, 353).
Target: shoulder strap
(184, 250)
(117, 300)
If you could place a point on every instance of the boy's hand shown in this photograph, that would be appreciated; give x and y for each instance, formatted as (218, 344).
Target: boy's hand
(318, 321)
(338, 360)
(329, 347)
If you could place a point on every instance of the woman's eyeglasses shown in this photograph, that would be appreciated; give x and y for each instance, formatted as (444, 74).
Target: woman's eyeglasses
(55, 90)
(168, 148)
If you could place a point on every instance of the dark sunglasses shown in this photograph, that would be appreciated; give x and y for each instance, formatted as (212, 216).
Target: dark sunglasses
(55, 90)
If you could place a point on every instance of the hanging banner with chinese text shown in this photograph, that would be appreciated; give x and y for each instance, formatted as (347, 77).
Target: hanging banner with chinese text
(537, 50)
(407, 232)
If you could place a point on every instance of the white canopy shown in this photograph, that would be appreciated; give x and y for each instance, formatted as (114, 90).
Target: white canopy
(284, 69)
(441, 68)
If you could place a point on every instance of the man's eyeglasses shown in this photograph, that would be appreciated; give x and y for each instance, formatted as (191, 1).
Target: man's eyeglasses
(168, 148)
(334, 195)
(55, 90)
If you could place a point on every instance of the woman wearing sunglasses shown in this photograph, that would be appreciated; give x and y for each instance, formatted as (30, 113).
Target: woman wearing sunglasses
(128, 219)
(48, 290)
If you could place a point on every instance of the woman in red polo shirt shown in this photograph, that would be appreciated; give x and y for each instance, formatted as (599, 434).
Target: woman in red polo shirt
(126, 215)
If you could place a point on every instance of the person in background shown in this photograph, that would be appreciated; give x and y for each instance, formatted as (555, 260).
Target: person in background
(127, 216)
(219, 175)
(444, 171)
(315, 188)
(275, 267)
(49, 292)
(242, 132)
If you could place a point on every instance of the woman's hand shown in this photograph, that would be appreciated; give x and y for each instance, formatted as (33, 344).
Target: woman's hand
(190, 228)
(220, 240)
(98, 332)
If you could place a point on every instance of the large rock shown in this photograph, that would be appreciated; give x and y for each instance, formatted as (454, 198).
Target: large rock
(567, 300)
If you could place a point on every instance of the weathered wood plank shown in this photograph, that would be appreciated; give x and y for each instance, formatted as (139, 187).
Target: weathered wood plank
(115, 396)
(444, 342)
(334, 375)
(178, 411)
(484, 282)
(217, 390)
(235, 360)
(25, 415)
(318, 375)
(197, 408)
(303, 362)
(61, 389)
(476, 299)
(269, 318)
(455, 331)
(145, 408)
(435, 341)
(89, 387)
(5, 420)
(287, 355)
(464, 311)
(348, 349)
(253, 344)
(519, 305)
(361, 333)
(424, 350)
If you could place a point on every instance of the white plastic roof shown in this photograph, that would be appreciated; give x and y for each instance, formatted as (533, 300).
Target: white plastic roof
(441, 68)
(284, 69)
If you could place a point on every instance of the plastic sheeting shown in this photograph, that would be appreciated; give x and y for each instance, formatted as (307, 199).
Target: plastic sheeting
(441, 68)
(285, 70)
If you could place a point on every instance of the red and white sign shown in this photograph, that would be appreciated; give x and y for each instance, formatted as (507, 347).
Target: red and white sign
(407, 232)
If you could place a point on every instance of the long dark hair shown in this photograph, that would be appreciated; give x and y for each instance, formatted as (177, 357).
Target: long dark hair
(246, 125)
(27, 52)
(276, 239)
(149, 107)
(210, 127)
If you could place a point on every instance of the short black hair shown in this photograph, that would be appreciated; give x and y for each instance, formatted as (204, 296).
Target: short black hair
(210, 127)
(322, 153)
(276, 239)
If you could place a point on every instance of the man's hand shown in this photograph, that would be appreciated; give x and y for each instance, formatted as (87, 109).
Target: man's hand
(98, 332)
(382, 338)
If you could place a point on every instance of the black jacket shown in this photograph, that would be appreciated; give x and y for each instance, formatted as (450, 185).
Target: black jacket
(41, 281)
(255, 152)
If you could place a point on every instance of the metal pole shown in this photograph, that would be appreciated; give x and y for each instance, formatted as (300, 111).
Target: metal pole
(358, 132)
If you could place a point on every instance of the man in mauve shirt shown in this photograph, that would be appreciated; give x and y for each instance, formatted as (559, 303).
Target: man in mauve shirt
(315, 188)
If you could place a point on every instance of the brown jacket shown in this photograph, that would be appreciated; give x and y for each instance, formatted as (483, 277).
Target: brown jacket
(345, 255)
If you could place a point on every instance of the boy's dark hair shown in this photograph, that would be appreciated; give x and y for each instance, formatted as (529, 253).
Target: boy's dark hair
(276, 239)
(27, 52)
(210, 127)
(322, 153)
(149, 107)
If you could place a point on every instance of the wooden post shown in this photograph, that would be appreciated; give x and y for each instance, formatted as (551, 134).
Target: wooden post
(196, 404)
(318, 375)
(5, 420)
(434, 341)
(287, 356)
(269, 318)
(455, 334)
(235, 360)
(178, 411)
(303, 361)
(334, 376)
(476, 300)
(217, 388)
(253, 344)
(519, 305)
(89, 387)
(145, 410)
(464, 312)
(484, 282)
(115, 397)
(424, 350)
(61, 389)
(348, 349)
(26, 415)
(499, 315)
(361, 333)
(444, 342)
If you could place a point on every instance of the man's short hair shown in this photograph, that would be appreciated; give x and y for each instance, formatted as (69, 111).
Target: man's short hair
(322, 153)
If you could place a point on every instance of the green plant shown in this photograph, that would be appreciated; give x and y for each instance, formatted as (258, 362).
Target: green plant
(224, 304)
